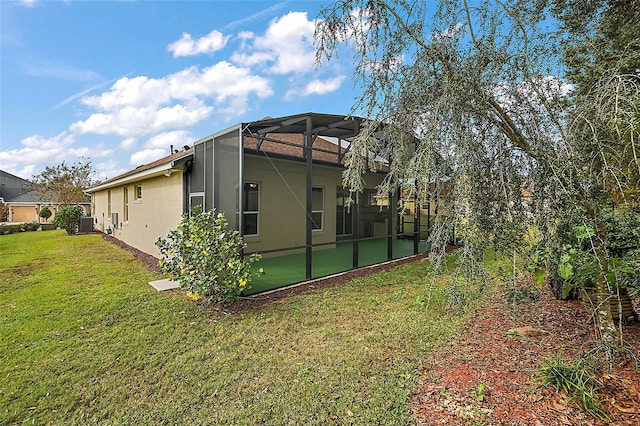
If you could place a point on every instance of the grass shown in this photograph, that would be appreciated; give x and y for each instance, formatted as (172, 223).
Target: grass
(86, 340)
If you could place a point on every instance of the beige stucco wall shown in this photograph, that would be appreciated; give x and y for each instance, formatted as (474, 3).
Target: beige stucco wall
(153, 216)
(282, 219)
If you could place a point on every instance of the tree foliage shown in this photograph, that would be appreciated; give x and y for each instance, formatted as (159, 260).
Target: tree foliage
(45, 213)
(65, 184)
(480, 84)
(68, 217)
(4, 212)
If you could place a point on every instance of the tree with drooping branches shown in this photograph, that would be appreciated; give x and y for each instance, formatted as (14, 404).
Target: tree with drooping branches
(481, 85)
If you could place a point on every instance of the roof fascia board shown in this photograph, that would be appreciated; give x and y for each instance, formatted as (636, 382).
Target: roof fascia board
(134, 177)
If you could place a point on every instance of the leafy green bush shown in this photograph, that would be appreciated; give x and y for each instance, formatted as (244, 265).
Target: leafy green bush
(525, 291)
(633, 260)
(19, 227)
(69, 218)
(205, 256)
(623, 230)
(45, 213)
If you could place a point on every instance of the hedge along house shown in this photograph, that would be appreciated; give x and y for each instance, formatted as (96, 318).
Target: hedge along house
(278, 181)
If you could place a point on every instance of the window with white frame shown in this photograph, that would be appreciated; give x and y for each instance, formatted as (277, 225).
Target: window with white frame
(250, 208)
(317, 208)
(137, 194)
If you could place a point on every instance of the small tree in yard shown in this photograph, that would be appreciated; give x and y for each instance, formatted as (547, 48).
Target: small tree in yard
(205, 256)
(69, 218)
(63, 183)
(45, 213)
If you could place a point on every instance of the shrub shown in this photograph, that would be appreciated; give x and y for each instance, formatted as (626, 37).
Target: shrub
(205, 256)
(45, 213)
(525, 291)
(69, 218)
(4, 212)
(19, 227)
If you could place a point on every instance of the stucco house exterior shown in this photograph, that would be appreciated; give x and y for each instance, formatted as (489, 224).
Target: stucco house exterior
(143, 204)
(277, 180)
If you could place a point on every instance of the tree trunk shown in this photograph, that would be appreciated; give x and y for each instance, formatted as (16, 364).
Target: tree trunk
(603, 317)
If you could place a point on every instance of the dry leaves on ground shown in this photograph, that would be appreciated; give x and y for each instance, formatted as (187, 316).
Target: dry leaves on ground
(487, 376)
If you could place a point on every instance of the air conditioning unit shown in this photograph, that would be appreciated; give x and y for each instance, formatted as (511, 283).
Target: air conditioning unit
(114, 220)
(86, 225)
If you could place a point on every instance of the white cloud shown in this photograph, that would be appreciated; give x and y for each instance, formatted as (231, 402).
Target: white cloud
(320, 87)
(187, 46)
(82, 93)
(128, 143)
(316, 87)
(142, 105)
(109, 168)
(147, 156)
(37, 150)
(177, 138)
(130, 122)
(139, 91)
(28, 3)
(286, 46)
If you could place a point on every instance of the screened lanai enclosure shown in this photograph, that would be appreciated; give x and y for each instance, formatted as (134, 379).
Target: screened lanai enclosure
(279, 182)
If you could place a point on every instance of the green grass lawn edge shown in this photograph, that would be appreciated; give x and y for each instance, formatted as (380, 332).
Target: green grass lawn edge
(86, 340)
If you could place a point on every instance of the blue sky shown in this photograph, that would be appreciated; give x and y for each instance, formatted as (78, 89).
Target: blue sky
(120, 81)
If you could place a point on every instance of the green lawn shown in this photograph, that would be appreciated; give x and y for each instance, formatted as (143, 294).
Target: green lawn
(85, 340)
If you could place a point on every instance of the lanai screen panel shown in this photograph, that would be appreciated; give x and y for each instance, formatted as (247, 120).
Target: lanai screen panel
(304, 230)
(227, 175)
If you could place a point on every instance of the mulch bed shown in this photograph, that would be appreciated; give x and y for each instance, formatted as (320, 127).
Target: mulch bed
(487, 374)
(149, 261)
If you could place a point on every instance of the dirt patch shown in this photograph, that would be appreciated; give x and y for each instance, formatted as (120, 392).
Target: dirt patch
(487, 375)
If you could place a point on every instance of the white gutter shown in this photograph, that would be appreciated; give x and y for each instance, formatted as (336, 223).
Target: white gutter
(152, 172)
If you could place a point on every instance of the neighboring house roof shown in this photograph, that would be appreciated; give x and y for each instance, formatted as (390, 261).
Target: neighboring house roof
(145, 171)
(31, 197)
(12, 186)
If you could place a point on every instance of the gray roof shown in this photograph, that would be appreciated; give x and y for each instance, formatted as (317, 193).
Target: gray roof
(28, 197)
(12, 186)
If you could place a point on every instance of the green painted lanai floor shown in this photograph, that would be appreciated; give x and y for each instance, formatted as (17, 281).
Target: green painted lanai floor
(289, 269)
